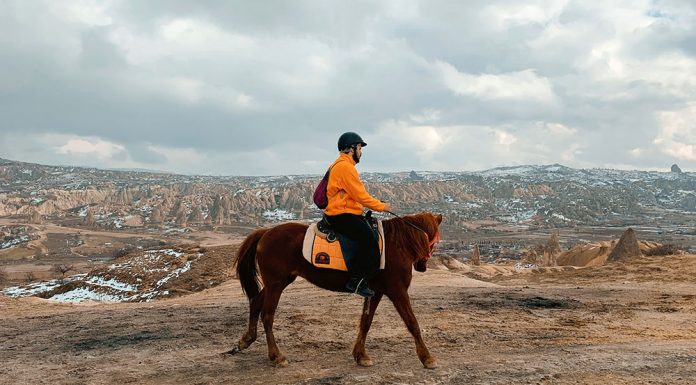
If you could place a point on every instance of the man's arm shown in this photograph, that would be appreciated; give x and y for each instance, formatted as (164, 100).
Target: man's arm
(355, 188)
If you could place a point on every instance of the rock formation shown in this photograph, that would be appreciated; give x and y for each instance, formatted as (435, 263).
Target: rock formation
(196, 215)
(538, 197)
(89, 218)
(182, 218)
(35, 218)
(220, 211)
(156, 216)
(414, 176)
(676, 169)
(532, 191)
(626, 248)
(122, 197)
(476, 256)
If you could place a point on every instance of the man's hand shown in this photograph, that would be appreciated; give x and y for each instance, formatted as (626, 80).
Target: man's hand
(387, 207)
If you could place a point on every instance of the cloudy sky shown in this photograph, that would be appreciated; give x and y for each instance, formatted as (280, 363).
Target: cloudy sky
(266, 87)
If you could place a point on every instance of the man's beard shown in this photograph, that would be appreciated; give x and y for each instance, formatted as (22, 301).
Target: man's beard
(356, 158)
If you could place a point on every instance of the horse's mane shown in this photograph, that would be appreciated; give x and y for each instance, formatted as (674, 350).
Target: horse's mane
(403, 236)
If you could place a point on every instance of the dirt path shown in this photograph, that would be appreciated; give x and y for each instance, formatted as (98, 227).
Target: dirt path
(553, 332)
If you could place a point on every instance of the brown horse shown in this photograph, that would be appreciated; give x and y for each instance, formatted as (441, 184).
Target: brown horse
(278, 253)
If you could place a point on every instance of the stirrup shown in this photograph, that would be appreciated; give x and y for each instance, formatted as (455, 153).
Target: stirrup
(361, 289)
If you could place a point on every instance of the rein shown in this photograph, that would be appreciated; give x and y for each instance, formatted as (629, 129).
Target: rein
(431, 244)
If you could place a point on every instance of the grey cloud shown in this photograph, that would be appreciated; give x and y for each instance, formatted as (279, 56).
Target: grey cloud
(374, 63)
(141, 152)
(98, 51)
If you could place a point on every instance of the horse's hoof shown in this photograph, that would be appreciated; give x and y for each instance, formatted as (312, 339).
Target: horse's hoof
(430, 363)
(232, 351)
(365, 361)
(281, 362)
(241, 345)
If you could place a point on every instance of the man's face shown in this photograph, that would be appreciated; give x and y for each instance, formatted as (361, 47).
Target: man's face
(357, 153)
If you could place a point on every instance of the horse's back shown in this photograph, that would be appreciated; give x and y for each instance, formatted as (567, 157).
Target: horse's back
(288, 229)
(283, 239)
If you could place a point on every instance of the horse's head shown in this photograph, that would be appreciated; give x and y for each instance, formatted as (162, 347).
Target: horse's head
(430, 224)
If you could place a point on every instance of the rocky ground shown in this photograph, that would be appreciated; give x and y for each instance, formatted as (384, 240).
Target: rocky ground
(624, 323)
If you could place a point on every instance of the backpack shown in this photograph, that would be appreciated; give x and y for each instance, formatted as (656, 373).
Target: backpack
(321, 198)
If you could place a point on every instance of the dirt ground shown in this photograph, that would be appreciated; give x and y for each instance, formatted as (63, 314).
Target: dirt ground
(631, 323)
(85, 248)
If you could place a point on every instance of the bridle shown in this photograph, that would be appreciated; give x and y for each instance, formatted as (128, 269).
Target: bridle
(431, 244)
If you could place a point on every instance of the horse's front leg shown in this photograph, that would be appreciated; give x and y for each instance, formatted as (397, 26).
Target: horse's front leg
(402, 303)
(368, 313)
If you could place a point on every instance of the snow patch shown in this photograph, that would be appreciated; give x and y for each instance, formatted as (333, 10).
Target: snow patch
(14, 242)
(38, 287)
(174, 274)
(84, 294)
(525, 266)
(112, 283)
(278, 215)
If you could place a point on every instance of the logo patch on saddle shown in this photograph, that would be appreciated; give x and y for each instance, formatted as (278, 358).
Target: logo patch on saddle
(321, 258)
(324, 251)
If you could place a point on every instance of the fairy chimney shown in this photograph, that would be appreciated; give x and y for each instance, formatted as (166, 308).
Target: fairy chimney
(156, 216)
(626, 248)
(89, 218)
(219, 213)
(218, 216)
(181, 218)
(476, 256)
(35, 218)
(196, 215)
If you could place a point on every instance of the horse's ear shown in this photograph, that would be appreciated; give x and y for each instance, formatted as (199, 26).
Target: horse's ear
(439, 218)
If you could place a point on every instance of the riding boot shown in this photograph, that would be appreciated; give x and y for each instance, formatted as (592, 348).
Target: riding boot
(359, 286)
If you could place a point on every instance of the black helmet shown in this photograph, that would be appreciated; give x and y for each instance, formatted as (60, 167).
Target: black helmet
(349, 139)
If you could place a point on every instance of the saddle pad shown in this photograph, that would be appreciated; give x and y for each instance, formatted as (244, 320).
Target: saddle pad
(328, 255)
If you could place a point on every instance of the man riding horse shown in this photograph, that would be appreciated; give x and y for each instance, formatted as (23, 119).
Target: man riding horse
(275, 255)
(346, 199)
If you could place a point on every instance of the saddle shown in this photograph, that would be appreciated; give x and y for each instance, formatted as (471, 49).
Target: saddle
(325, 248)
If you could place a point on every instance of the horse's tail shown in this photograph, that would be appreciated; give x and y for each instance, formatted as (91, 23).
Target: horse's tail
(245, 263)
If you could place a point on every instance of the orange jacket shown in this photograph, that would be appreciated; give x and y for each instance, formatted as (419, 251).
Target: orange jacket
(346, 192)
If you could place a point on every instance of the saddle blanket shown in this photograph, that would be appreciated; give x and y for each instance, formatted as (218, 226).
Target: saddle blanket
(321, 253)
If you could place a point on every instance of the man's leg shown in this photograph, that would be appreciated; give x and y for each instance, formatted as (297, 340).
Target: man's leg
(363, 266)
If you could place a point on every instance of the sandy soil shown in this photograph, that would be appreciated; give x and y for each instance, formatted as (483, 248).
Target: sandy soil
(629, 323)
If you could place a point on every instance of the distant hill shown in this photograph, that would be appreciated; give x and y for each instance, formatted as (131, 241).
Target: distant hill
(139, 170)
(532, 195)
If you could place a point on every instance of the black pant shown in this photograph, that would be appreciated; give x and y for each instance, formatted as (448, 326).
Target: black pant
(366, 263)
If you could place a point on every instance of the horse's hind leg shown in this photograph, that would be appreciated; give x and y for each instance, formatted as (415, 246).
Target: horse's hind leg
(255, 306)
(368, 313)
(270, 303)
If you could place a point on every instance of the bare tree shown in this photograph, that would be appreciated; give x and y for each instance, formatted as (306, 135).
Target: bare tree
(551, 250)
(29, 277)
(3, 277)
(61, 269)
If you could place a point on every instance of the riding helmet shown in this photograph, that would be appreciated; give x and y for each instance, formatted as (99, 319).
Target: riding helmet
(349, 139)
